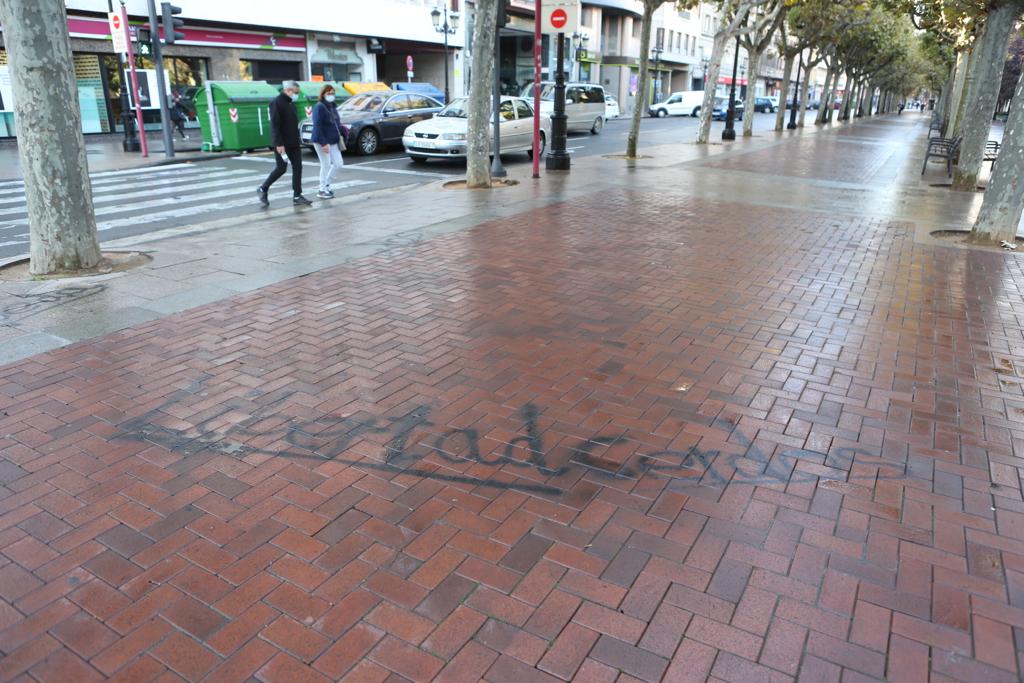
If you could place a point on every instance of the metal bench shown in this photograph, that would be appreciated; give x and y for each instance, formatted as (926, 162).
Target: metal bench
(935, 127)
(991, 152)
(942, 148)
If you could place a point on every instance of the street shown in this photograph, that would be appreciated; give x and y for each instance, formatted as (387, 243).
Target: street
(144, 200)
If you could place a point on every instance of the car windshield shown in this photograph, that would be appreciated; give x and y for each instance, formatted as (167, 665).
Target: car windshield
(366, 102)
(458, 109)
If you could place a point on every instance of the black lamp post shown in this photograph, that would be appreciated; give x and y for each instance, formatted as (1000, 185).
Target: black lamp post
(796, 90)
(659, 47)
(730, 133)
(558, 158)
(448, 27)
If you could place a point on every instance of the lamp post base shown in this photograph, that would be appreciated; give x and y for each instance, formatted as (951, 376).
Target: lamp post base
(729, 134)
(558, 161)
(131, 145)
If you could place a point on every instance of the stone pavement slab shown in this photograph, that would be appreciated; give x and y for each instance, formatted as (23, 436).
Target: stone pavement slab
(635, 429)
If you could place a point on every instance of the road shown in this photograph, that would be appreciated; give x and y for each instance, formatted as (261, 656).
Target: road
(143, 200)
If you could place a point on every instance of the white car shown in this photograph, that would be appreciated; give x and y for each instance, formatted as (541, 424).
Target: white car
(584, 105)
(611, 107)
(682, 103)
(444, 136)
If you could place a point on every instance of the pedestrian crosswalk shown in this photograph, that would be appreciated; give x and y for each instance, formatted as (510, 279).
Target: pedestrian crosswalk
(135, 201)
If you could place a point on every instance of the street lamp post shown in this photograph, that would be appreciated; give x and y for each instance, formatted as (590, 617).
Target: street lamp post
(448, 27)
(659, 47)
(579, 40)
(730, 133)
(796, 90)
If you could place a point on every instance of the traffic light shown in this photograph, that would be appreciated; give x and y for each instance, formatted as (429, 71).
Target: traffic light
(503, 7)
(171, 23)
(145, 40)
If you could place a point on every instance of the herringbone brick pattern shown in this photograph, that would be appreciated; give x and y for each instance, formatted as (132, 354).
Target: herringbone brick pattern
(631, 437)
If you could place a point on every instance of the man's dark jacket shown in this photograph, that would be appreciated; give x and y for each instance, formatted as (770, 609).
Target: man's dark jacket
(284, 122)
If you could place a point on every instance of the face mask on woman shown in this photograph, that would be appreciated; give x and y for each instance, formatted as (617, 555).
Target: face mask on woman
(329, 98)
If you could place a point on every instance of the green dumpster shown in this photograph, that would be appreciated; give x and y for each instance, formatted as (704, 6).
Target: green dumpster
(234, 115)
(309, 94)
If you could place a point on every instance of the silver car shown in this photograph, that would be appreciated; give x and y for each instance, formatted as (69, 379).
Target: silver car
(444, 136)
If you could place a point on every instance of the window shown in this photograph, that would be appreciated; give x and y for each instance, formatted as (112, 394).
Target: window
(671, 36)
(420, 102)
(398, 103)
(679, 41)
(585, 19)
(595, 95)
(506, 111)
(636, 28)
(523, 110)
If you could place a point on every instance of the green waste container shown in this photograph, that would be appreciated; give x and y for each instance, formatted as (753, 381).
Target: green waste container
(234, 115)
(309, 94)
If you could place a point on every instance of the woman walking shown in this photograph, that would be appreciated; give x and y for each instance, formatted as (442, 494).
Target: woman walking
(328, 140)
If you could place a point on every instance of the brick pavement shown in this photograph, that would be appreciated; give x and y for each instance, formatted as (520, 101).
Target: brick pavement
(635, 436)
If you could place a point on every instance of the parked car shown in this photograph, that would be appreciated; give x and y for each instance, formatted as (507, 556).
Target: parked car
(584, 104)
(764, 105)
(774, 99)
(611, 107)
(444, 136)
(721, 110)
(682, 103)
(378, 118)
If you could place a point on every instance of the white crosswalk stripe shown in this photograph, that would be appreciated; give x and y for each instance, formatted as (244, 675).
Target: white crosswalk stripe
(156, 197)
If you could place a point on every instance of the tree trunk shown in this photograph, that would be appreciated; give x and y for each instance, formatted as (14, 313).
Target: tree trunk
(780, 115)
(963, 68)
(823, 100)
(947, 93)
(983, 93)
(1004, 199)
(805, 94)
(753, 62)
(710, 84)
(850, 92)
(833, 95)
(58, 194)
(644, 81)
(481, 95)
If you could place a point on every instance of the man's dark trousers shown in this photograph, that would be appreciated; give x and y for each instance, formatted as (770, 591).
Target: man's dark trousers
(295, 157)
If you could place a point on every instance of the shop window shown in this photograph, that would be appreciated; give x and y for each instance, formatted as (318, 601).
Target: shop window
(244, 70)
(91, 101)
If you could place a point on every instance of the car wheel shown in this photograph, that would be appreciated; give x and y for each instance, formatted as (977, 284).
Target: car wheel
(541, 147)
(696, 112)
(598, 125)
(418, 160)
(368, 141)
(662, 113)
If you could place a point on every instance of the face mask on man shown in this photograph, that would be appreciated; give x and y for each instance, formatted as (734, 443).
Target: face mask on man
(294, 96)
(329, 98)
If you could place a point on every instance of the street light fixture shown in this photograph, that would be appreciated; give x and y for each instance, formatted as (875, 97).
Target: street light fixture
(659, 47)
(579, 41)
(449, 27)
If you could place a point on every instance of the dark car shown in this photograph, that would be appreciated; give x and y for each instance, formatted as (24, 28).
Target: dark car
(764, 105)
(378, 118)
(721, 109)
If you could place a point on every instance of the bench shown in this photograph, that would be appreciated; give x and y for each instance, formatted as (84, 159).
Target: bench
(934, 127)
(991, 152)
(942, 148)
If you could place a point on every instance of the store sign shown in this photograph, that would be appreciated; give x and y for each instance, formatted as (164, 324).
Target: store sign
(117, 34)
(559, 16)
(100, 29)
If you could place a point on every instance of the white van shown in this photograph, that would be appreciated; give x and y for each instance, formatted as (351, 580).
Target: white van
(584, 104)
(682, 103)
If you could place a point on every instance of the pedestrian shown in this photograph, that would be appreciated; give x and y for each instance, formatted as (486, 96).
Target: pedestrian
(284, 138)
(179, 116)
(328, 139)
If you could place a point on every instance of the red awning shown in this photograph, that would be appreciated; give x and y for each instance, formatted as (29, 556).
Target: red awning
(727, 80)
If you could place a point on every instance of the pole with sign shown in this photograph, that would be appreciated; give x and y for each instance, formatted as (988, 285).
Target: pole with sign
(131, 141)
(537, 42)
(165, 114)
(559, 17)
(408, 67)
(135, 81)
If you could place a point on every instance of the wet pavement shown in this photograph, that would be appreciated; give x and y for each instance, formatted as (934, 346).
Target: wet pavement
(724, 413)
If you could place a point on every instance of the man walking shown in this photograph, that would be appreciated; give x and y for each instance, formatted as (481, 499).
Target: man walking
(284, 138)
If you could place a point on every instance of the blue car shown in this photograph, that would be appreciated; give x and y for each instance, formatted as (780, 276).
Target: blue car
(721, 109)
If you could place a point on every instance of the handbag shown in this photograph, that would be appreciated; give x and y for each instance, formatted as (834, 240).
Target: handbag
(342, 132)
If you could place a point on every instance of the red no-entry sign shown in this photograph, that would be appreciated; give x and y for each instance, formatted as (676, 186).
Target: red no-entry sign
(560, 16)
(116, 21)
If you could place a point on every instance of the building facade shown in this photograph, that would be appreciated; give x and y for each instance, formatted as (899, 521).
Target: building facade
(242, 40)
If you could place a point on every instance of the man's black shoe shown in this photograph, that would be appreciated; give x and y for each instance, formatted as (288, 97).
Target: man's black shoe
(299, 200)
(262, 194)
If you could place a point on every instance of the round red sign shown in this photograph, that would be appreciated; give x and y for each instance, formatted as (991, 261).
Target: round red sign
(559, 18)
(116, 21)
